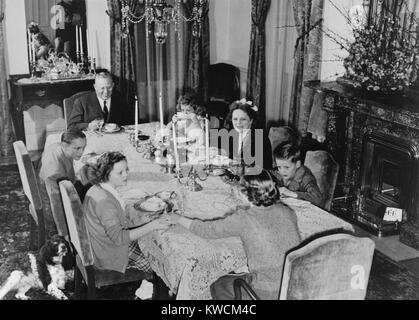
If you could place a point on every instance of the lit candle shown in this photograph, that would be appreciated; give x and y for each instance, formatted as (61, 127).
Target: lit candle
(175, 147)
(77, 39)
(33, 48)
(161, 113)
(207, 154)
(88, 43)
(81, 43)
(30, 46)
(136, 119)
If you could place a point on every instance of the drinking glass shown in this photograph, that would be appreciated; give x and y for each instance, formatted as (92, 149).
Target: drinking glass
(100, 122)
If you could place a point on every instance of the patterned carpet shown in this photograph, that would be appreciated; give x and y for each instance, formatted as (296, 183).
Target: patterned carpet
(388, 280)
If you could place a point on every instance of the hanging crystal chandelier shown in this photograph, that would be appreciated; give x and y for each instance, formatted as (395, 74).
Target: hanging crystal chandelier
(158, 14)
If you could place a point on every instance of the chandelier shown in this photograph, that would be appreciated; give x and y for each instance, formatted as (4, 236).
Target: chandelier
(159, 14)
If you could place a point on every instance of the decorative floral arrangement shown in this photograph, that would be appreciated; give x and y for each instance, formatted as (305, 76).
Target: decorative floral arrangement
(383, 56)
(58, 66)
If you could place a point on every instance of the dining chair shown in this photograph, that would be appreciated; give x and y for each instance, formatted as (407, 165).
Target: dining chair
(280, 134)
(31, 190)
(68, 105)
(325, 169)
(333, 267)
(79, 238)
(223, 89)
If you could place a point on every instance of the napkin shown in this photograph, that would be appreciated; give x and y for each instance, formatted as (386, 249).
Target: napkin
(145, 291)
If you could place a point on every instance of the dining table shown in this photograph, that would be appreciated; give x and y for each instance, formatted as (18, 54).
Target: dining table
(187, 263)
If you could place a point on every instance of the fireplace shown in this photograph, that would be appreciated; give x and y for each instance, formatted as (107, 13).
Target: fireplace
(388, 170)
(376, 142)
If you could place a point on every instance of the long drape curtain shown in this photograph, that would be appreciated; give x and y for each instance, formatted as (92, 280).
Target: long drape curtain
(256, 76)
(308, 16)
(197, 55)
(6, 131)
(160, 69)
(281, 35)
(122, 52)
(154, 71)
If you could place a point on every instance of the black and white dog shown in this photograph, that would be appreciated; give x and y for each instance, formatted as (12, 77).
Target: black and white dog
(43, 269)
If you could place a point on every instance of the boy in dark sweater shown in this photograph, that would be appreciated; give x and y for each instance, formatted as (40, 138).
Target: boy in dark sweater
(293, 178)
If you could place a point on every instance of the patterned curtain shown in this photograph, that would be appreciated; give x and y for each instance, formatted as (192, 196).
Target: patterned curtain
(256, 73)
(6, 131)
(308, 16)
(123, 51)
(197, 56)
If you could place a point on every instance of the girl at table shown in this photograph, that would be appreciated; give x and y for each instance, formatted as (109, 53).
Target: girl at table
(112, 234)
(249, 142)
(267, 230)
(189, 118)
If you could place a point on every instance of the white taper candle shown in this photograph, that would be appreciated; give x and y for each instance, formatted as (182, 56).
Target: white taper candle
(77, 39)
(136, 119)
(207, 146)
(175, 147)
(161, 114)
(81, 43)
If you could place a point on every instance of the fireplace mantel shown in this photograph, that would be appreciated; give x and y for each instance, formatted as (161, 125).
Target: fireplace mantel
(354, 115)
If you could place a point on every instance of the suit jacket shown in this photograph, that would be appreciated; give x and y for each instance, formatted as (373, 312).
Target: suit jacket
(253, 147)
(87, 108)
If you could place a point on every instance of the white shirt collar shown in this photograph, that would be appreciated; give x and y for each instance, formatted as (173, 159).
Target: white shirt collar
(242, 136)
(108, 103)
(114, 192)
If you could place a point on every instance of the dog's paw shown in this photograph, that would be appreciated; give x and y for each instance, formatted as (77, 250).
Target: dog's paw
(21, 296)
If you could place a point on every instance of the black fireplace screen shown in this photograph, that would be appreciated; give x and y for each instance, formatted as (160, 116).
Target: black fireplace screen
(388, 174)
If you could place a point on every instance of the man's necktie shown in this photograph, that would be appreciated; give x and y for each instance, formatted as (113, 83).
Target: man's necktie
(105, 111)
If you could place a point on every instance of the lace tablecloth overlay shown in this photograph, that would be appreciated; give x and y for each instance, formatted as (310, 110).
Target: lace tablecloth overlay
(187, 263)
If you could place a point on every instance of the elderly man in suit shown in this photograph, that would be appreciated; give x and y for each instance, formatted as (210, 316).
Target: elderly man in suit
(102, 104)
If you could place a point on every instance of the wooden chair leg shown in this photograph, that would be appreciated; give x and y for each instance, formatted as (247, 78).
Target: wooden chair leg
(41, 228)
(32, 245)
(77, 282)
(91, 286)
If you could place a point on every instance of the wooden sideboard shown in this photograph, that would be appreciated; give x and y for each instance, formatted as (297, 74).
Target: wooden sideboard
(26, 93)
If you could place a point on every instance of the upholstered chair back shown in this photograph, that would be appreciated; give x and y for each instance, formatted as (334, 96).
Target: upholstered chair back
(277, 135)
(31, 190)
(68, 105)
(76, 223)
(325, 169)
(335, 267)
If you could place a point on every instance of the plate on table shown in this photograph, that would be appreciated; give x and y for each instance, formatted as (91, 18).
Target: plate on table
(184, 140)
(220, 161)
(153, 205)
(111, 128)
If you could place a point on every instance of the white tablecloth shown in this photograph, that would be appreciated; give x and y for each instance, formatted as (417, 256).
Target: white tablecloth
(187, 263)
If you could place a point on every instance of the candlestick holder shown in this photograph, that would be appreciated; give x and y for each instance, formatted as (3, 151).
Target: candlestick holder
(191, 181)
(32, 67)
(92, 65)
